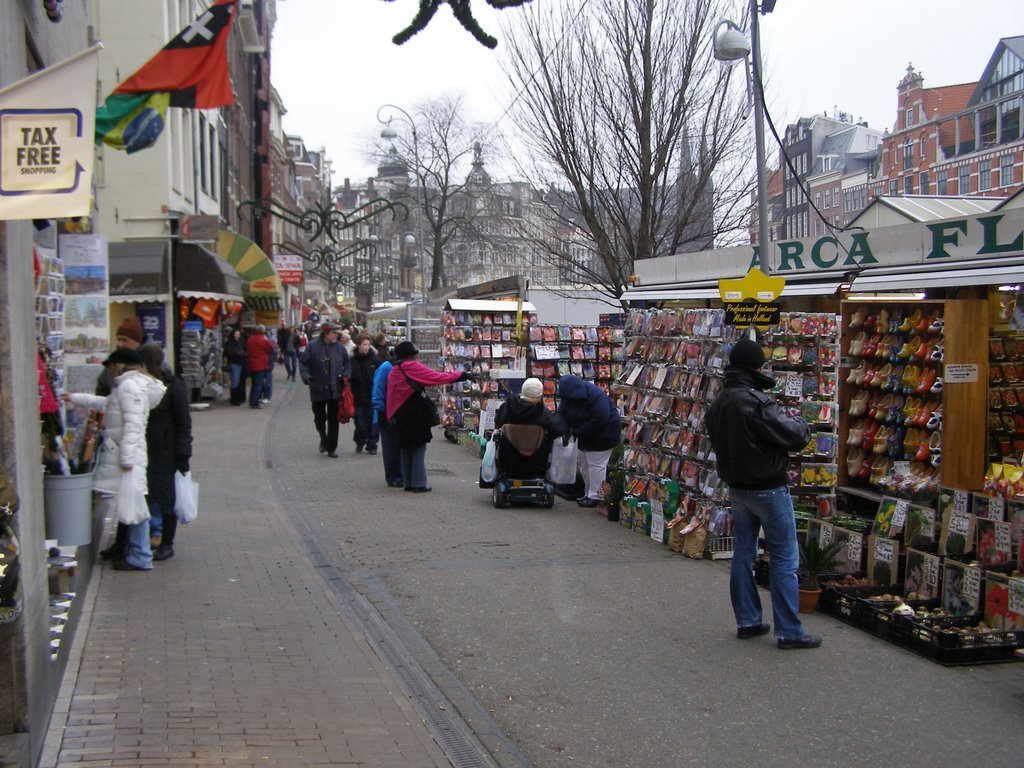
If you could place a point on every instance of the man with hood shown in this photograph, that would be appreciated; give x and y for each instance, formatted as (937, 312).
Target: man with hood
(752, 438)
(595, 422)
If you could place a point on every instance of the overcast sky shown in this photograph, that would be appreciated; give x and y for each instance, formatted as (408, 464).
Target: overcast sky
(334, 63)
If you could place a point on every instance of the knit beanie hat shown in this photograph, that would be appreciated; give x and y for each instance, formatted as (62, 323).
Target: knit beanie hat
(131, 328)
(746, 354)
(532, 389)
(405, 350)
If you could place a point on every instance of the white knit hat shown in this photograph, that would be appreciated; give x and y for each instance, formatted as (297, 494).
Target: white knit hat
(532, 389)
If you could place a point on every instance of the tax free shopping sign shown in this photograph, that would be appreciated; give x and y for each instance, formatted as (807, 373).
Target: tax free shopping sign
(47, 122)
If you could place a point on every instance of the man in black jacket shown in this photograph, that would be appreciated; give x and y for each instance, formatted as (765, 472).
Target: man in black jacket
(322, 365)
(752, 438)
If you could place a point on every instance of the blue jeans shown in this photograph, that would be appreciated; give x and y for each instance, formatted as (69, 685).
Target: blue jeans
(290, 363)
(772, 510)
(138, 552)
(414, 466)
(389, 451)
(366, 429)
(256, 392)
(236, 374)
(159, 513)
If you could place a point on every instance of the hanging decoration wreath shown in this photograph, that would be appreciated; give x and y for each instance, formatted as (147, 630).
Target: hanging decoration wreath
(463, 12)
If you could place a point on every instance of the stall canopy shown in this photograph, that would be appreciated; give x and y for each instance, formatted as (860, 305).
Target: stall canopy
(823, 285)
(201, 274)
(139, 271)
(253, 264)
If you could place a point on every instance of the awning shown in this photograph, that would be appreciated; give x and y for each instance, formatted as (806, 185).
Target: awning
(201, 274)
(977, 272)
(824, 286)
(139, 271)
(488, 305)
(250, 261)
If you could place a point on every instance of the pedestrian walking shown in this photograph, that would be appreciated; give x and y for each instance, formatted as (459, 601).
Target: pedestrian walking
(234, 355)
(389, 449)
(345, 338)
(268, 379)
(126, 413)
(594, 421)
(752, 438)
(409, 411)
(290, 352)
(380, 345)
(258, 350)
(364, 365)
(169, 447)
(322, 365)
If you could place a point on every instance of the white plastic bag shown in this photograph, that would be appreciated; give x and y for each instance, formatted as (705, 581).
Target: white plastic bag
(186, 497)
(562, 470)
(130, 502)
(488, 467)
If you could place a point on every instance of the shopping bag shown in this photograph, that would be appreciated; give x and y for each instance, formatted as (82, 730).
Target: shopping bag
(488, 466)
(186, 497)
(562, 470)
(130, 502)
(346, 403)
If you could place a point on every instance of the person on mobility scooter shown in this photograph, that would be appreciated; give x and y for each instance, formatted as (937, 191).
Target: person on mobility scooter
(525, 430)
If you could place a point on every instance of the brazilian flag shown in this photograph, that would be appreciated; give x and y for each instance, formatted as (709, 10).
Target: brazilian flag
(132, 121)
(190, 72)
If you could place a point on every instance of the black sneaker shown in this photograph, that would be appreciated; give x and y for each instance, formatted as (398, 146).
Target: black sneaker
(323, 445)
(807, 641)
(587, 502)
(372, 451)
(163, 552)
(332, 455)
(359, 449)
(753, 631)
(113, 552)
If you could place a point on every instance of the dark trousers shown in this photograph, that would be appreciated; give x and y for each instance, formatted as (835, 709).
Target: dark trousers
(366, 430)
(325, 419)
(389, 451)
(290, 362)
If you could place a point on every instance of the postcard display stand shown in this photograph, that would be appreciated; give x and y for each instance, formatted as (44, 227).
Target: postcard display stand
(674, 364)
(484, 343)
(913, 390)
(590, 352)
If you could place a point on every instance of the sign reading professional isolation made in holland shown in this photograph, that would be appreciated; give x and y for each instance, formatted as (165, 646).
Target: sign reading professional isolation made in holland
(47, 122)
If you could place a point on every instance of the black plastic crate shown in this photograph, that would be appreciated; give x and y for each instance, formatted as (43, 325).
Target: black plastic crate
(937, 639)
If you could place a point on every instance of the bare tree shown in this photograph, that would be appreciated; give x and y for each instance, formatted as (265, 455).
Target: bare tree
(437, 149)
(638, 131)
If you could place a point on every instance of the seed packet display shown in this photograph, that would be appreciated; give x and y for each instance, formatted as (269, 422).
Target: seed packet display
(921, 577)
(961, 588)
(920, 528)
(883, 560)
(957, 534)
(994, 545)
(891, 517)
(1004, 602)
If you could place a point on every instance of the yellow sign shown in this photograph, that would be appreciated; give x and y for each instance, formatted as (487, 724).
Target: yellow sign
(754, 285)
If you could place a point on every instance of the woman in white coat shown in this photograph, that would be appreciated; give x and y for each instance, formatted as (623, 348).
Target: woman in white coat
(126, 412)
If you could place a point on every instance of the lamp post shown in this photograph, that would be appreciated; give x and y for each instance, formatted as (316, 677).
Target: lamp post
(731, 45)
(387, 132)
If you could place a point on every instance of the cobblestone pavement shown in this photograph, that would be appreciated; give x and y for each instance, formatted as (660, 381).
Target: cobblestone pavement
(234, 652)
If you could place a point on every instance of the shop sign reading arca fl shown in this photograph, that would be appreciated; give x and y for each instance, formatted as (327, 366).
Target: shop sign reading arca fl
(967, 237)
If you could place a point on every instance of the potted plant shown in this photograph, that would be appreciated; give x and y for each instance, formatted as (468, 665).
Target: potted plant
(814, 561)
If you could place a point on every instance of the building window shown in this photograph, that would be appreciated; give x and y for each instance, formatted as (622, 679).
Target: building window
(817, 200)
(984, 175)
(964, 181)
(908, 118)
(893, 189)
(212, 132)
(202, 154)
(920, 147)
(924, 183)
(908, 155)
(940, 183)
(835, 196)
(1006, 170)
(908, 185)
(828, 198)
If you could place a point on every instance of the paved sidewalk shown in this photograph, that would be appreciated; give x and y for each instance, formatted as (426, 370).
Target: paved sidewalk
(234, 652)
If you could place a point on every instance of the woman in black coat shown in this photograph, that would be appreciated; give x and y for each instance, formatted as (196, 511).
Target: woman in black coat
(234, 356)
(169, 443)
(364, 365)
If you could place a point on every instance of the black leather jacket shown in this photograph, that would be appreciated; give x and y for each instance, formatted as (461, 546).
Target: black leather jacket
(750, 433)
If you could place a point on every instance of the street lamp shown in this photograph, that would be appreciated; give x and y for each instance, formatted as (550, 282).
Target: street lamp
(389, 133)
(731, 45)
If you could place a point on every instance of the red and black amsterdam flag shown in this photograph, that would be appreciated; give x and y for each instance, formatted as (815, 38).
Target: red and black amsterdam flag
(191, 71)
